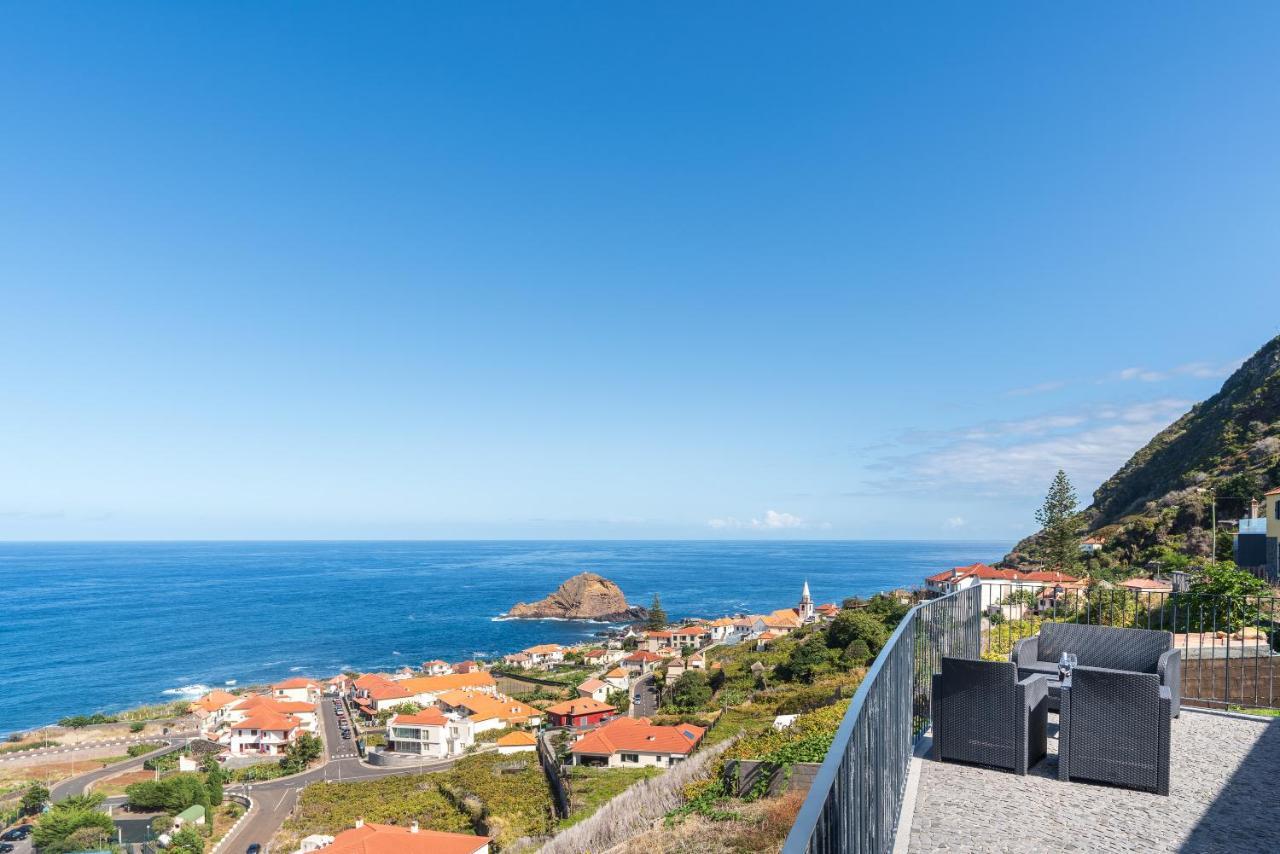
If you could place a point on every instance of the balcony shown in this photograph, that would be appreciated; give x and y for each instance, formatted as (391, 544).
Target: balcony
(878, 790)
(1221, 798)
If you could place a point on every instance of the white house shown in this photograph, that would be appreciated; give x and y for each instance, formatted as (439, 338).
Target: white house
(430, 733)
(635, 742)
(298, 690)
(595, 689)
(618, 679)
(265, 733)
(436, 667)
(545, 655)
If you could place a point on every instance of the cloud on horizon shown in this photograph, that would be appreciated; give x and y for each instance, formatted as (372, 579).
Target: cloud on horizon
(773, 520)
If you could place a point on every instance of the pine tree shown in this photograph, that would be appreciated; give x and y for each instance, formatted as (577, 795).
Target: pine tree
(1060, 525)
(657, 617)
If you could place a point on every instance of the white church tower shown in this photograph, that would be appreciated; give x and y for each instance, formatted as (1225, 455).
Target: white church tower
(806, 604)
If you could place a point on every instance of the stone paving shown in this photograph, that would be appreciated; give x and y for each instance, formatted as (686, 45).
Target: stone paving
(1223, 781)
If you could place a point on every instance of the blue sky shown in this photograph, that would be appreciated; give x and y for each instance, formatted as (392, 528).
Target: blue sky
(587, 270)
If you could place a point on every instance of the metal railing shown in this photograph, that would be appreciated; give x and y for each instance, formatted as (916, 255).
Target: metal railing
(856, 798)
(1229, 643)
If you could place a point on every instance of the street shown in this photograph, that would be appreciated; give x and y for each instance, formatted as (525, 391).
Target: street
(77, 785)
(647, 705)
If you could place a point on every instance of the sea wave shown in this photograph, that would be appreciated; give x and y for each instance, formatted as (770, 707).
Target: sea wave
(187, 690)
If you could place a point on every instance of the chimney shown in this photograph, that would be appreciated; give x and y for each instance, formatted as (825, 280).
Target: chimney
(413, 828)
(359, 823)
(1253, 508)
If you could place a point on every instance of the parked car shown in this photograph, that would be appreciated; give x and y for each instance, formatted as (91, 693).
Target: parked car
(15, 834)
(255, 848)
(6, 847)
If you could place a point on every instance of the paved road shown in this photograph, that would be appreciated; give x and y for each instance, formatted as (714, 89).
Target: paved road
(274, 800)
(336, 746)
(77, 785)
(647, 705)
(42, 752)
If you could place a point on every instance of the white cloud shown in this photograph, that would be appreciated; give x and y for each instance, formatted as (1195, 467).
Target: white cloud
(1038, 388)
(1196, 370)
(954, 522)
(1015, 457)
(773, 520)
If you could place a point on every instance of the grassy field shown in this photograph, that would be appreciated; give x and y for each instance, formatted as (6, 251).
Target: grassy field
(503, 796)
(593, 787)
(1266, 713)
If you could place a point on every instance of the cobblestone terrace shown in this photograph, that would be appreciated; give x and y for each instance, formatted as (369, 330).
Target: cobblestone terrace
(1222, 798)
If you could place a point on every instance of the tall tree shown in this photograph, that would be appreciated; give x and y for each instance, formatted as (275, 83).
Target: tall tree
(1060, 524)
(657, 616)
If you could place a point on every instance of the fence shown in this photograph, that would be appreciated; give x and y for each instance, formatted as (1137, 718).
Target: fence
(854, 802)
(1228, 643)
(559, 785)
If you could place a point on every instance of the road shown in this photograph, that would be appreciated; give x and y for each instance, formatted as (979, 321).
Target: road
(647, 705)
(274, 800)
(336, 746)
(77, 785)
(100, 746)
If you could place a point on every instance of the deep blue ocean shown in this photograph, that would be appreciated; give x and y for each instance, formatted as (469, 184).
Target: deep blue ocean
(104, 626)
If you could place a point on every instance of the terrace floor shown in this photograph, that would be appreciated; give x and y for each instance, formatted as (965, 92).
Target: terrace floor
(1221, 799)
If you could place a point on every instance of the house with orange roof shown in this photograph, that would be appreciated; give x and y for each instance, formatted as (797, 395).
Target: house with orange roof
(634, 743)
(641, 661)
(489, 711)
(426, 689)
(827, 611)
(370, 838)
(263, 732)
(720, 629)
(247, 705)
(618, 678)
(429, 733)
(694, 636)
(210, 710)
(298, 690)
(465, 667)
(659, 641)
(519, 659)
(579, 712)
(596, 689)
(545, 655)
(516, 742)
(1092, 545)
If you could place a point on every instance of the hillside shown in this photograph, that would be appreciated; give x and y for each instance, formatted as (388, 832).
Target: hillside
(1229, 444)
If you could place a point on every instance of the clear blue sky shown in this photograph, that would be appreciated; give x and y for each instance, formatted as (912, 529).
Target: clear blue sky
(616, 270)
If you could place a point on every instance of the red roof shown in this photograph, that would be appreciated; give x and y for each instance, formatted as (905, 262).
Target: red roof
(637, 734)
(1049, 577)
(580, 706)
(430, 716)
(643, 655)
(389, 839)
(296, 682)
(268, 720)
(1146, 584)
(980, 570)
(1275, 491)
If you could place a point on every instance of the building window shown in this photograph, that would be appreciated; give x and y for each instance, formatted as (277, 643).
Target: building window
(631, 757)
(1278, 509)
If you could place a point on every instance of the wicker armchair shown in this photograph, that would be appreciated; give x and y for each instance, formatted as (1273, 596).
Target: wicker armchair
(1114, 728)
(983, 714)
(1133, 650)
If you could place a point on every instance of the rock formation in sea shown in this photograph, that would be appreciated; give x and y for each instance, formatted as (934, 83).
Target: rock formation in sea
(586, 596)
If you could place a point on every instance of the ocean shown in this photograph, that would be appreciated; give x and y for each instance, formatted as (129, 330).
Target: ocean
(104, 626)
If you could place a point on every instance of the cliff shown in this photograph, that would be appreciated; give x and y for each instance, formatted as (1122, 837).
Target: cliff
(586, 596)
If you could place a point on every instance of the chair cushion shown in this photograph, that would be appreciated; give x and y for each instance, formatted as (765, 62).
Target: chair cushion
(1030, 668)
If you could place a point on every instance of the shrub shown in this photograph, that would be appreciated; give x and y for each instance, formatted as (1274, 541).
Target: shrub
(849, 626)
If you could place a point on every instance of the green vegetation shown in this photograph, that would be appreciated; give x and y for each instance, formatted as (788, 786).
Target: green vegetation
(34, 799)
(691, 691)
(136, 750)
(657, 615)
(852, 625)
(26, 745)
(186, 841)
(592, 788)
(1060, 525)
(79, 721)
(259, 773)
(173, 794)
(301, 753)
(74, 824)
(495, 734)
(508, 795)
(137, 726)
(1266, 713)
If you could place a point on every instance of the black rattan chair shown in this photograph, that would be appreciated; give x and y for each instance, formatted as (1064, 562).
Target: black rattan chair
(1114, 728)
(1133, 650)
(983, 714)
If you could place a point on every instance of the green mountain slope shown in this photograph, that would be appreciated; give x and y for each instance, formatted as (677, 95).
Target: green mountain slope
(1228, 447)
